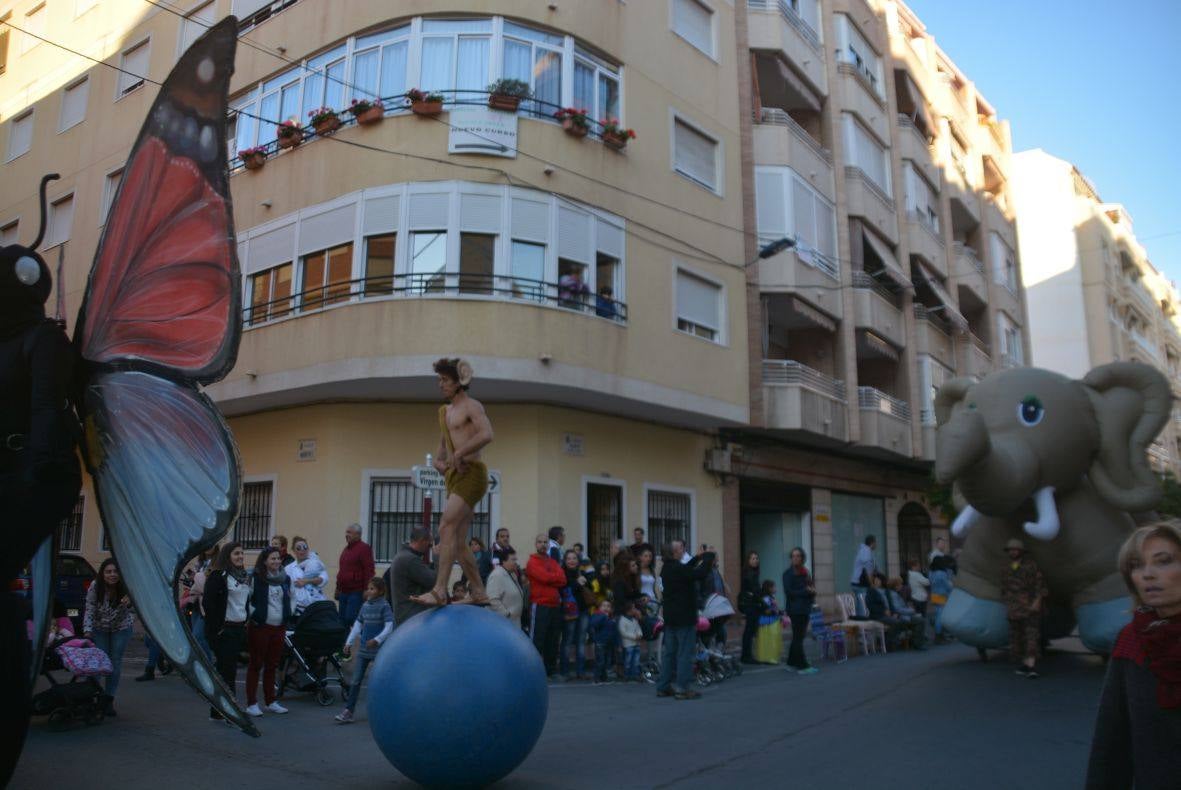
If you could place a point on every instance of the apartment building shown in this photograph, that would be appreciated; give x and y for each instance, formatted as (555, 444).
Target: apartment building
(1094, 296)
(750, 403)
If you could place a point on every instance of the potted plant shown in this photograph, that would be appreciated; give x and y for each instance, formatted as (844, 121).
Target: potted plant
(290, 133)
(424, 103)
(253, 158)
(576, 122)
(614, 135)
(325, 120)
(506, 94)
(367, 111)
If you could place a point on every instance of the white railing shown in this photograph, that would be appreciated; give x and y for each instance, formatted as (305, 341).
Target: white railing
(870, 399)
(969, 255)
(790, 372)
(852, 171)
(777, 117)
(791, 16)
(927, 223)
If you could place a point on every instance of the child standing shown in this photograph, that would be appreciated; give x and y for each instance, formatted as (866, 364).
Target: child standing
(604, 632)
(374, 624)
(769, 641)
(630, 635)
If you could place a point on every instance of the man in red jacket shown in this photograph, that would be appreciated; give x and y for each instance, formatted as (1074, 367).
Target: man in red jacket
(546, 577)
(353, 574)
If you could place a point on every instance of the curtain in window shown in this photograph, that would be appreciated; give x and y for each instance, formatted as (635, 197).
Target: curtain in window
(548, 72)
(289, 102)
(608, 97)
(393, 69)
(472, 70)
(269, 111)
(803, 209)
(313, 94)
(334, 86)
(247, 128)
(584, 87)
(436, 64)
(364, 82)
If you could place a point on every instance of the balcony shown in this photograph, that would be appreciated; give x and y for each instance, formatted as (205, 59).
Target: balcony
(1006, 298)
(775, 25)
(779, 140)
(806, 272)
(995, 216)
(861, 97)
(798, 398)
(965, 203)
(913, 145)
(873, 309)
(925, 241)
(885, 422)
(968, 270)
(867, 200)
(975, 359)
(932, 337)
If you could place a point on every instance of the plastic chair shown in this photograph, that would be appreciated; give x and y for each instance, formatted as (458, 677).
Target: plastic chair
(870, 633)
(827, 637)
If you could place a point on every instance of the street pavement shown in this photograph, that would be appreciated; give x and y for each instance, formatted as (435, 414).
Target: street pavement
(913, 719)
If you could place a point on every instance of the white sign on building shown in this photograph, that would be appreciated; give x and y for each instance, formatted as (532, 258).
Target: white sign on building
(430, 478)
(480, 130)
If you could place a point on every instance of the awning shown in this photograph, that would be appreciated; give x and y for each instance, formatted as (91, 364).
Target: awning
(781, 87)
(911, 101)
(876, 346)
(950, 311)
(892, 270)
(807, 311)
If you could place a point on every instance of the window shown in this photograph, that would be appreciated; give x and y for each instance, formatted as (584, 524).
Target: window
(326, 277)
(455, 56)
(699, 306)
(922, 201)
(1010, 337)
(395, 508)
(69, 531)
(933, 375)
(596, 85)
(270, 294)
(867, 154)
(695, 154)
(607, 275)
(34, 27)
(4, 42)
(670, 517)
(110, 187)
(134, 67)
(194, 25)
(8, 233)
(475, 263)
(379, 264)
(572, 287)
(253, 527)
(527, 267)
(428, 261)
(323, 86)
(1004, 262)
(74, 99)
(61, 218)
(20, 135)
(379, 63)
(855, 50)
(787, 205)
(694, 22)
(535, 57)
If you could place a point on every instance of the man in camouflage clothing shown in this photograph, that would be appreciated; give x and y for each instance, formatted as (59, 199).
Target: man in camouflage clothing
(1023, 590)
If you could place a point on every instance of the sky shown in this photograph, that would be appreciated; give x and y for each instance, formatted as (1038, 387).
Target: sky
(1094, 83)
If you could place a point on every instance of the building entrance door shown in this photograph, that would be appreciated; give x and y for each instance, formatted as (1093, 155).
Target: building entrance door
(604, 519)
(773, 536)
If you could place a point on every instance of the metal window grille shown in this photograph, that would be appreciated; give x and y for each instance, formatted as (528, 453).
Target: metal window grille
(604, 519)
(253, 527)
(668, 519)
(395, 508)
(69, 531)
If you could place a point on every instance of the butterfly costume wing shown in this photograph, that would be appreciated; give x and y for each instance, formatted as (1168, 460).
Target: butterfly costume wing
(159, 317)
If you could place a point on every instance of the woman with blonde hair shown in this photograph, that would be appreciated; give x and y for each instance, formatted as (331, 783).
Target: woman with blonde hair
(1138, 728)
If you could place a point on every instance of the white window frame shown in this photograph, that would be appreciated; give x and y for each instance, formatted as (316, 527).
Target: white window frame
(662, 488)
(32, 119)
(850, 37)
(676, 117)
(273, 479)
(722, 338)
(851, 121)
(120, 91)
(109, 193)
(28, 39)
(1004, 263)
(53, 241)
(368, 475)
(829, 264)
(190, 19)
(82, 84)
(711, 53)
(928, 213)
(603, 481)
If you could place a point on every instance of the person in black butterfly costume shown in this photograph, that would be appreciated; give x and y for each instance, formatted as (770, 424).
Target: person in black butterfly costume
(39, 470)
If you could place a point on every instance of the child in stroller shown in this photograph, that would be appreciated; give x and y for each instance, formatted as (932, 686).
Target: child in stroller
(309, 653)
(80, 699)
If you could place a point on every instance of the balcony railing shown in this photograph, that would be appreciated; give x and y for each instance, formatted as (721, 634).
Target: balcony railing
(935, 319)
(927, 223)
(852, 171)
(777, 117)
(791, 16)
(969, 255)
(866, 281)
(870, 399)
(435, 285)
(905, 122)
(790, 372)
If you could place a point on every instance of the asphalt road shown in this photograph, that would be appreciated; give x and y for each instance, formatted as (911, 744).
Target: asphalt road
(939, 718)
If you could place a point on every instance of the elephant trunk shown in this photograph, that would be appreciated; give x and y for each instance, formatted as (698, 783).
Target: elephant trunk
(961, 444)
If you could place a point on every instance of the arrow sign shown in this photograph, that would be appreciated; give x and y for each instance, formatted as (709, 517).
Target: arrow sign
(429, 478)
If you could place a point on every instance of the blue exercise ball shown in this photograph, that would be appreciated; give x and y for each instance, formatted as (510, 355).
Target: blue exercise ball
(457, 697)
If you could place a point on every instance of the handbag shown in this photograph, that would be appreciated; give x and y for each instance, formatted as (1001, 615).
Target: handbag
(938, 600)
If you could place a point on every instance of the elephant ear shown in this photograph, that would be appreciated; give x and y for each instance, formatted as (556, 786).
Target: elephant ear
(1132, 404)
(948, 396)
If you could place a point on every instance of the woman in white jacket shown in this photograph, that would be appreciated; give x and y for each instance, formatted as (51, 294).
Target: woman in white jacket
(308, 575)
(504, 592)
(918, 587)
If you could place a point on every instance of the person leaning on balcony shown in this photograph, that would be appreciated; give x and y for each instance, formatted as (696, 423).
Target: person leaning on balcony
(572, 291)
(605, 303)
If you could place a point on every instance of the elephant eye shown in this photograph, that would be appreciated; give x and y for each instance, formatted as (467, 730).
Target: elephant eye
(1030, 410)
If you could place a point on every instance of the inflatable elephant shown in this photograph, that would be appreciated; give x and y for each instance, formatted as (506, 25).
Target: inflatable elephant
(1035, 454)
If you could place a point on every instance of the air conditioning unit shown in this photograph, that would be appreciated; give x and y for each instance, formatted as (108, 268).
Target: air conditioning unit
(718, 460)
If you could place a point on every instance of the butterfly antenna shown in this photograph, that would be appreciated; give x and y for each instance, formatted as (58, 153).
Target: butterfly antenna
(44, 209)
(61, 287)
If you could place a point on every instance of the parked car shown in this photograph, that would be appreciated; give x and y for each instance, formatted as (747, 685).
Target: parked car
(74, 577)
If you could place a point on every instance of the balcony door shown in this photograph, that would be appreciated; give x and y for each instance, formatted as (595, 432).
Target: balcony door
(604, 519)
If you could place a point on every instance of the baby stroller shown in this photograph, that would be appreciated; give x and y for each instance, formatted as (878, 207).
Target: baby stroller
(82, 698)
(309, 654)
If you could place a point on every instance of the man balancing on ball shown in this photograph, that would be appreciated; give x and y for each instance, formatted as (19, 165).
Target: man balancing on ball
(465, 430)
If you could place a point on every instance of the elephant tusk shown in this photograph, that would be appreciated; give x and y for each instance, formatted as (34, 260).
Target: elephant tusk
(1046, 526)
(967, 517)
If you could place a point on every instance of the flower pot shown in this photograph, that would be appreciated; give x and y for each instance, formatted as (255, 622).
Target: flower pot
(501, 101)
(573, 129)
(372, 115)
(254, 161)
(427, 109)
(291, 140)
(327, 126)
(616, 141)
